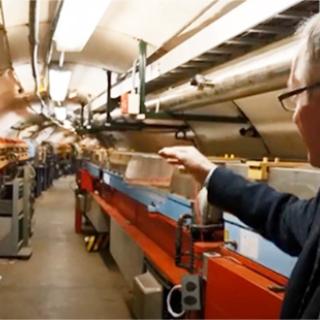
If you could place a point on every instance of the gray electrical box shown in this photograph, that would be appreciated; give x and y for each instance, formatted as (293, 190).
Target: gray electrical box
(128, 256)
(191, 292)
(147, 297)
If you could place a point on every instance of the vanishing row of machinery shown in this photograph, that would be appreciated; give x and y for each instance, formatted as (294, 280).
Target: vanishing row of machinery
(66, 156)
(12, 150)
(16, 199)
(51, 162)
(23, 176)
(45, 166)
(182, 257)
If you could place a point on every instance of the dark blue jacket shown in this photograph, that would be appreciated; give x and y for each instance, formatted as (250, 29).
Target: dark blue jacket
(289, 222)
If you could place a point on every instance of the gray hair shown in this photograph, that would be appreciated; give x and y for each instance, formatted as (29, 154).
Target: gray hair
(309, 33)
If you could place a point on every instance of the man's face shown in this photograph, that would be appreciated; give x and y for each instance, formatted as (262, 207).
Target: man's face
(307, 112)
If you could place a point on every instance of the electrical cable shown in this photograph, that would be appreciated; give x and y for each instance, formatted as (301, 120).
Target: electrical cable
(169, 308)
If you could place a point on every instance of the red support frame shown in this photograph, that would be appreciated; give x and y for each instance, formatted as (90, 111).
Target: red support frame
(78, 218)
(233, 291)
(236, 287)
(152, 249)
(85, 179)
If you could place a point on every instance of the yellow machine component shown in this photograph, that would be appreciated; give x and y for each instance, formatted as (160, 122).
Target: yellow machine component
(21, 150)
(259, 170)
(118, 160)
(12, 150)
(225, 158)
(3, 154)
(84, 151)
(99, 156)
(89, 241)
(95, 242)
(64, 151)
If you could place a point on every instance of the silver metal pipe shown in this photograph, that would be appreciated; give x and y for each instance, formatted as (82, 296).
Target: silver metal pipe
(53, 27)
(266, 72)
(34, 22)
(34, 41)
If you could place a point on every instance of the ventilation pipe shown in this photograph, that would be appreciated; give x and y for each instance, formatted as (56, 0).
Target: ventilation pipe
(260, 73)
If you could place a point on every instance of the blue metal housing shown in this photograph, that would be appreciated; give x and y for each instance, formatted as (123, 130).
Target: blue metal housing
(93, 169)
(173, 206)
(155, 200)
(266, 253)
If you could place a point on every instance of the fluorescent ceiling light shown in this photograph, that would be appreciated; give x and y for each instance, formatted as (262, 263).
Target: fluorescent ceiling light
(60, 113)
(77, 22)
(59, 83)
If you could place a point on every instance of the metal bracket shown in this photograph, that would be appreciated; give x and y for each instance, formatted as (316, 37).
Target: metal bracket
(179, 241)
(142, 75)
(259, 170)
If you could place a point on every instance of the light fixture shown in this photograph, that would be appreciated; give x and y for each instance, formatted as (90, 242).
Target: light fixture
(59, 80)
(60, 113)
(77, 21)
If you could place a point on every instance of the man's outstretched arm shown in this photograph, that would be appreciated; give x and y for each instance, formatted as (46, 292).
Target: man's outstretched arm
(280, 217)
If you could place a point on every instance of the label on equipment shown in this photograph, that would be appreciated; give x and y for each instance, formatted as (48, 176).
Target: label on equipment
(249, 244)
(106, 179)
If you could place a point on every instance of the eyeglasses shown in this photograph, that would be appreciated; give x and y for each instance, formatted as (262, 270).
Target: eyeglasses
(288, 100)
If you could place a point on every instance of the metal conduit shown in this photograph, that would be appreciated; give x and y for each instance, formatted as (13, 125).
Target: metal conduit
(34, 41)
(270, 75)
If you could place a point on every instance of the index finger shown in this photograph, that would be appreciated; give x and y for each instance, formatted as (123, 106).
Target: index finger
(169, 152)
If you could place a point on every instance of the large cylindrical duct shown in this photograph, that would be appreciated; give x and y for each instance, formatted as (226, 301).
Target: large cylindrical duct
(256, 74)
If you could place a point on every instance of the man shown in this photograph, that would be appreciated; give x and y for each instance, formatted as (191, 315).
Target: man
(292, 224)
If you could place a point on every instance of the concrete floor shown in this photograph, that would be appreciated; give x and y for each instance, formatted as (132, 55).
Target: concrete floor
(61, 280)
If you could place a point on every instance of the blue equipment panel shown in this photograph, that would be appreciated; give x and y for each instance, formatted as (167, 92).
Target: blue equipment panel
(155, 200)
(253, 246)
(93, 169)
